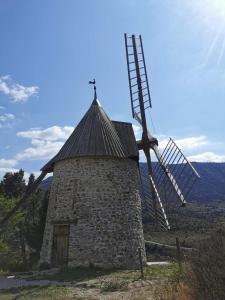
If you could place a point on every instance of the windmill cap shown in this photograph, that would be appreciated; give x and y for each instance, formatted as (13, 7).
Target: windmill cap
(97, 135)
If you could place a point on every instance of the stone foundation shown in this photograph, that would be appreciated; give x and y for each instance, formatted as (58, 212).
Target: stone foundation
(99, 199)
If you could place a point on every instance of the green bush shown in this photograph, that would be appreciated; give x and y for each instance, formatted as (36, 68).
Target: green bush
(114, 284)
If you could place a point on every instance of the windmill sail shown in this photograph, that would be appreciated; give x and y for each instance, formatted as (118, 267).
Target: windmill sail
(164, 179)
(135, 55)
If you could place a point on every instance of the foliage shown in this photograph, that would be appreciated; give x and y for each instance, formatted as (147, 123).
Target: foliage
(13, 184)
(114, 284)
(21, 236)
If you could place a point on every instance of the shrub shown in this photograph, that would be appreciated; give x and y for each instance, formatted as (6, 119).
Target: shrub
(114, 284)
(207, 265)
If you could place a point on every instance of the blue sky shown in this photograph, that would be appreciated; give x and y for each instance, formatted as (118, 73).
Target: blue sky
(50, 49)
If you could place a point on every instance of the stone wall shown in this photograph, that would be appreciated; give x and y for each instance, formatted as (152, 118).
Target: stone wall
(99, 198)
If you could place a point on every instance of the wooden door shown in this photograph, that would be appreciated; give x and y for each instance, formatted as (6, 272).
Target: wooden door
(60, 245)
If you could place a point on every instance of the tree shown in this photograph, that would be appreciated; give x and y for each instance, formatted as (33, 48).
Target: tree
(30, 180)
(13, 184)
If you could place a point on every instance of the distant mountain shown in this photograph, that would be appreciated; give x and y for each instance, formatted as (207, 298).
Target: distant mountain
(211, 186)
(46, 184)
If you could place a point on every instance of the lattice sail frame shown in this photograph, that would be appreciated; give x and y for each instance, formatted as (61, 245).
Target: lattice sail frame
(162, 177)
(184, 174)
(177, 164)
(133, 73)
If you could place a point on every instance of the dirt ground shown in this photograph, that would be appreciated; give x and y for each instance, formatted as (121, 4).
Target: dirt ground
(116, 285)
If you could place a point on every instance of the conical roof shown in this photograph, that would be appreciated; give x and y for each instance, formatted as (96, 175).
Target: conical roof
(95, 135)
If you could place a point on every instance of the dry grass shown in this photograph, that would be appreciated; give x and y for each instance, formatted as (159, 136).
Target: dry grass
(207, 265)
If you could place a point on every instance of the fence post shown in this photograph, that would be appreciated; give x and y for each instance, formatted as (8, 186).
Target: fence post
(141, 263)
(179, 257)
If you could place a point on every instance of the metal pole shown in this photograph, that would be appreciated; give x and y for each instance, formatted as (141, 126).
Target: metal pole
(141, 263)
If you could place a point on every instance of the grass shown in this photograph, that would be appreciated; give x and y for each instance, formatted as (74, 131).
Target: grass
(83, 274)
(150, 272)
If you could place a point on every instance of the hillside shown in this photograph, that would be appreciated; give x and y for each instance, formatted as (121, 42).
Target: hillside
(211, 186)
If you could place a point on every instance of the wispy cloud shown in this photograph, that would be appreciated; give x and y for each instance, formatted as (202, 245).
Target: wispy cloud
(6, 119)
(53, 133)
(190, 146)
(45, 143)
(187, 144)
(7, 163)
(207, 157)
(40, 150)
(191, 143)
(16, 91)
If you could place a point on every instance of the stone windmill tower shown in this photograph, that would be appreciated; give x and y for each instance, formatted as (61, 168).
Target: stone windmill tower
(94, 212)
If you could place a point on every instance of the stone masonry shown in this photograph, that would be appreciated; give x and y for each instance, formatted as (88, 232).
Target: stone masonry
(98, 197)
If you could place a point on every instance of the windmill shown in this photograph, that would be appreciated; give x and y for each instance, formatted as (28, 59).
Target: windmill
(164, 179)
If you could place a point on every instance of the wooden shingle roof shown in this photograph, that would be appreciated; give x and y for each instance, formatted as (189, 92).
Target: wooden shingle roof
(97, 135)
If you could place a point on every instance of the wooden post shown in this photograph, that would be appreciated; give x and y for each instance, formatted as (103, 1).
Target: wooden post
(179, 258)
(141, 263)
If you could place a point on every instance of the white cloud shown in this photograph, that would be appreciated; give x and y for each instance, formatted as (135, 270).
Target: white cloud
(192, 142)
(16, 91)
(7, 163)
(41, 150)
(45, 143)
(53, 133)
(6, 120)
(189, 146)
(185, 144)
(6, 117)
(137, 131)
(207, 157)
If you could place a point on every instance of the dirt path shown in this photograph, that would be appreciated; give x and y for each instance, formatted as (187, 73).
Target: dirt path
(7, 283)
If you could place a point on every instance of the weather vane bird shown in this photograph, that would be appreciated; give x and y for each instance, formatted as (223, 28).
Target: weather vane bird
(92, 82)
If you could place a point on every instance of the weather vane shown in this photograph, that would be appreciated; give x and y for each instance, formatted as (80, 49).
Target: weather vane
(94, 82)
